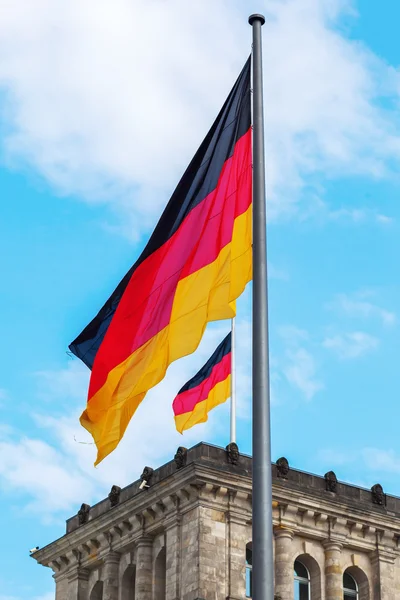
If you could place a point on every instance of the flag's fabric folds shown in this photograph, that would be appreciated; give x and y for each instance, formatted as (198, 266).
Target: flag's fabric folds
(208, 388)
(195, 265)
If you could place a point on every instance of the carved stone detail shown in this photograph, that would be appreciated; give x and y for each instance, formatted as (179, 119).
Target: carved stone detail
(232, 453)
(114, 495)
(146, 475)
(378, 496)
(83, 514)
(282, 467)
(330, 482)
(180, 457)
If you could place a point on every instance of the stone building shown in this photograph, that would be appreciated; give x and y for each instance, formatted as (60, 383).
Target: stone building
(183, 531)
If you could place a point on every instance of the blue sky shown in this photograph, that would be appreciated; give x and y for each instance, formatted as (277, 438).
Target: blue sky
(95, 131)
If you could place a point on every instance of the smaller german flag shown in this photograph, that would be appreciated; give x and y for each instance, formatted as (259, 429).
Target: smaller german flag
(208, 388)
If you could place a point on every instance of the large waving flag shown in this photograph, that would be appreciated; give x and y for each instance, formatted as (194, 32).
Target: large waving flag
(208, 388)
(195, 265)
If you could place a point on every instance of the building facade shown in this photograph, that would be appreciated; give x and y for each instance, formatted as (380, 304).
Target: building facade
(183, 532)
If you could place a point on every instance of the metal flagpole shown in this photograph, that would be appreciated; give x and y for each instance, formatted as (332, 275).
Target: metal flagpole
(263, 572)
(233, 383)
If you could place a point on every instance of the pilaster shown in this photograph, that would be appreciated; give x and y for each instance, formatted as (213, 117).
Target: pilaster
(383, 575)
(111, 576)
(212, 563)
(190, 572)
(333, 570)
(173, 562)
(144, 568)
(284, 587)
(238, 535)
(78, 584)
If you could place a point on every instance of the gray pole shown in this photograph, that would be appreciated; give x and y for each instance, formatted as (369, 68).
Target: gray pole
(263, 570)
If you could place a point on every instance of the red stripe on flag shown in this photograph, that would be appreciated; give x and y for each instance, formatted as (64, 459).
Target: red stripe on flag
(186, 402)
(145, 307)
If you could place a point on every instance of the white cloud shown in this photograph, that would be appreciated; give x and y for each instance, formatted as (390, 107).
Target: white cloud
(6, 431)
(381, 460)
(68, 384)
(323, 211)
(350, 464)
(297, 364)
(301, 372)
(358, 215)
(369, 459)
(293, 335)
(34, 467)
(335, 457)
(384, 219)
(55, 474)
(374, 459)
(351, 345)
(357, 305)
(109, 101)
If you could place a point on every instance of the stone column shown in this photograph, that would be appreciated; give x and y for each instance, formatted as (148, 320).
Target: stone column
(212, 559)
(61, 587)
(333, 570)
(284, 564)
(383, 576)
(144, 569)
(238, 536)
(190, 573)
(172, 547)
(111, 576)
(78, 584)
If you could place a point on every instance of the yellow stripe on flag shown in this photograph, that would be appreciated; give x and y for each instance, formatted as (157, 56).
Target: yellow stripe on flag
(218, 395)
(206, 295)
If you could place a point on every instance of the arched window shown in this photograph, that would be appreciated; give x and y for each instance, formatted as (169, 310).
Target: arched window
(160, 575)
(249, 572)
(301, 582)
(350, 587)
(97, 591)
(128, 583)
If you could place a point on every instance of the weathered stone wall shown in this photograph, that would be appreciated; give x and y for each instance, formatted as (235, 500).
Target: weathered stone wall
(212, 564)
(185, 536)
(190, 554)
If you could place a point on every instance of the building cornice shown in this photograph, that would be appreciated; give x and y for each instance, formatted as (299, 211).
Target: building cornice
(303, 503)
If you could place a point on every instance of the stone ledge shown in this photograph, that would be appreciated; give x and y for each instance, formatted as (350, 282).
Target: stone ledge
(212, 456)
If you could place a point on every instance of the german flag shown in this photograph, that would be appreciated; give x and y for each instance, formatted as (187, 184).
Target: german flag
(208, 388)
(195, 265)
